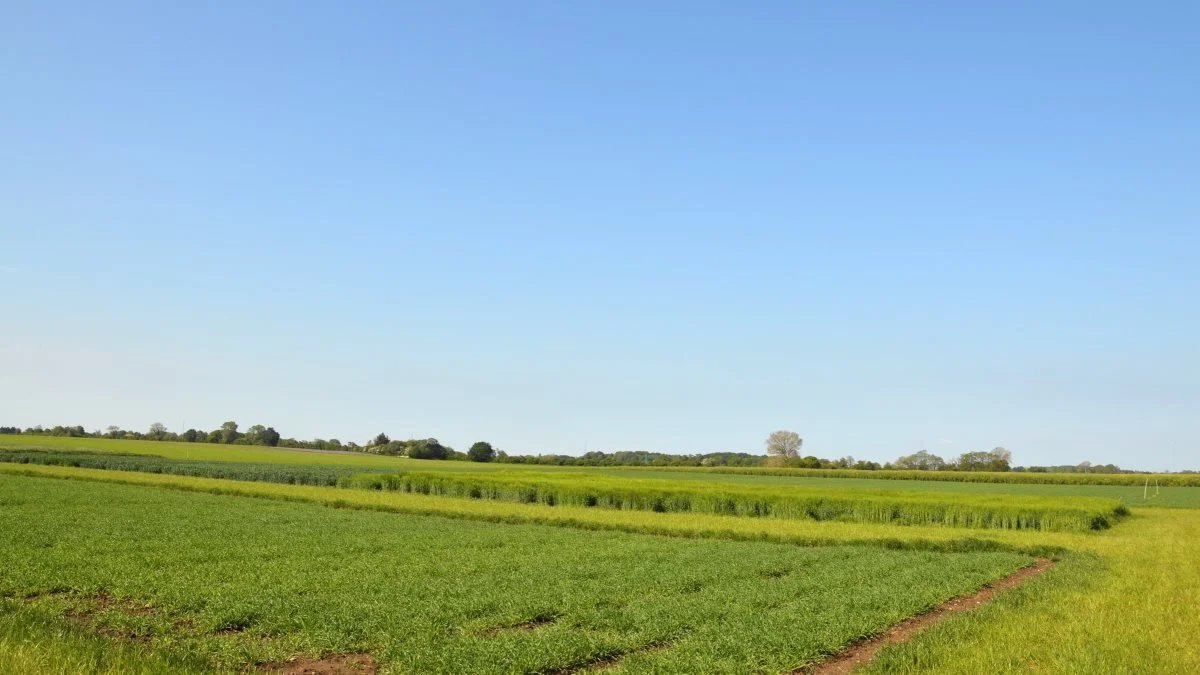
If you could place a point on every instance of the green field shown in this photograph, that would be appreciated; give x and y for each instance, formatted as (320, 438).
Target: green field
(257, 581)
(106, 570)
(1132, 495)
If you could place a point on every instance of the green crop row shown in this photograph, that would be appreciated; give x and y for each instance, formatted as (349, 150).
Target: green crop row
(864, 506)
(1027, 477)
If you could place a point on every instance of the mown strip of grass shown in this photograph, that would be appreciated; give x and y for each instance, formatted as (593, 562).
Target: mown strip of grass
(236, 581)
(863, 506)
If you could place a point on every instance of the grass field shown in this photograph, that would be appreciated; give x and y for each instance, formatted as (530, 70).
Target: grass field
(235, 581)
(1119, 600)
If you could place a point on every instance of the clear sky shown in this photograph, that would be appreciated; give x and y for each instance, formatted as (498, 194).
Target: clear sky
(671, 226)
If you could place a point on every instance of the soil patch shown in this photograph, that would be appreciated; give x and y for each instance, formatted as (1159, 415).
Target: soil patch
(863, 651)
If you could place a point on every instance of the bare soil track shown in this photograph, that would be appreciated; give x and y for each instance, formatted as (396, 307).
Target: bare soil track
(863, 651)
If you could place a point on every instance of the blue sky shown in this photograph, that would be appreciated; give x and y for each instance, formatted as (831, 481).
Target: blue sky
(661, 226)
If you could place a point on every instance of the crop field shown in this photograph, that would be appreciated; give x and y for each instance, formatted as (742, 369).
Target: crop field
(142, 559)
(857, 505)
(854, 502)
(1131, 495)
(1006, 477)
(296, 474)
(202, 451)
(236, 581)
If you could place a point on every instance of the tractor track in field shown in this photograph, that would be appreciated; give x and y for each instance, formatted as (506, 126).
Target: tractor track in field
(861, 652)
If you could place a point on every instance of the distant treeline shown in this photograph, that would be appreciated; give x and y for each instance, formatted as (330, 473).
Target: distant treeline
(229, 433)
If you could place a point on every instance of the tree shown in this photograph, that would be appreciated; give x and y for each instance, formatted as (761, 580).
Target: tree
(481, 452)
(269, 437)
(996, 459)
(972, 461)
(921, 461)
(784, 445)
(381, 439)
(229, 432)
(999, 459)
(428, 449)
(394, 448)
(190, 436)
(255, 433)
(157, 431)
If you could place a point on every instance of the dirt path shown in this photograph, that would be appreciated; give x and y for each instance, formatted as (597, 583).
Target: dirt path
(863, 651)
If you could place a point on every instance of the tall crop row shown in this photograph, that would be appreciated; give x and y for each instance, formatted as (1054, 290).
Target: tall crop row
(866, 506)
